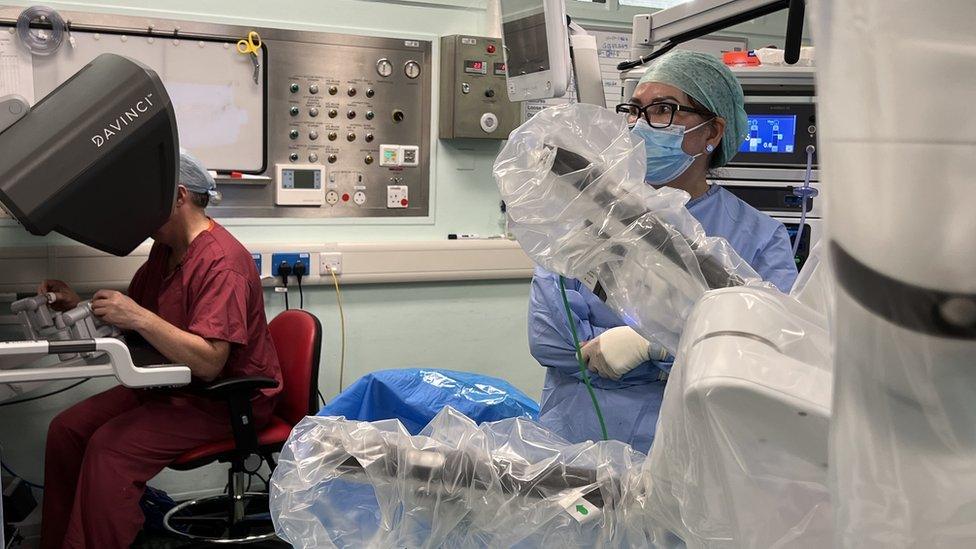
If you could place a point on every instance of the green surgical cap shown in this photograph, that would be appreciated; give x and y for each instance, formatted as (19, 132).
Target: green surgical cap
(711, 83)
(194, 176)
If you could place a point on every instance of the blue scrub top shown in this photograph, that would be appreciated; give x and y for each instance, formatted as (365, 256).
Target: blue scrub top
(631, 405)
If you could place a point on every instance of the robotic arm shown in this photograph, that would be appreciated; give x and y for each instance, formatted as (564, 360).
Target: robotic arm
(664, 30)
(572, 181)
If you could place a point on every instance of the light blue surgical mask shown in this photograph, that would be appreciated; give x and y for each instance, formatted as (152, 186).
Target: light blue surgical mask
(666, 160)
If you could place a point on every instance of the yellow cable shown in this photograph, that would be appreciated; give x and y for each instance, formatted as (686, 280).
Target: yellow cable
(342, 324)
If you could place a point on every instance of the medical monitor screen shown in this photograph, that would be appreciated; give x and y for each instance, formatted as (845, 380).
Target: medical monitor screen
(778, 134)
(770, 134)
(524, 30)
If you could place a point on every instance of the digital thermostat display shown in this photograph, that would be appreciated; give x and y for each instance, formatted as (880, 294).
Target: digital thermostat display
(301, 179)
(770, 134)
(475, 67)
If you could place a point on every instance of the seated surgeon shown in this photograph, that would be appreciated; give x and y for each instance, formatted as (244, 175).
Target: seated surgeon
(688, 109)
(198, 301)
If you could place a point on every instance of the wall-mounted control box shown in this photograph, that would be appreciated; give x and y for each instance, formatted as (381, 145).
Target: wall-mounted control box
(473, 100)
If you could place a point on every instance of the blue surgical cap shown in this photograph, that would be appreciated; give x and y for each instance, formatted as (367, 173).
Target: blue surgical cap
(708, 81)
(196, 178)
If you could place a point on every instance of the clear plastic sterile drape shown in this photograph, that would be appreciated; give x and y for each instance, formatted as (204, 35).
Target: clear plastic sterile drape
(509, 483)
(572, 178)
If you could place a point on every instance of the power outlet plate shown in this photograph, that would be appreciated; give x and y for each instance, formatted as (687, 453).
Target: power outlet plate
(291, 259)
(396, 196)
(330, 262)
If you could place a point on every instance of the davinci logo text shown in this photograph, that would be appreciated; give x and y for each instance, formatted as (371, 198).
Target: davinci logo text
(123, 120)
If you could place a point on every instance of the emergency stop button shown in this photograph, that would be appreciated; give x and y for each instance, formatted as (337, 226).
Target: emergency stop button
(490, 48)
(489, 122)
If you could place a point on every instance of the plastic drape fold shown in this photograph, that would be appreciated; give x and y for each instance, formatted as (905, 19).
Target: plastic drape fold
(815, 286)
(572, 179)
(510, 483)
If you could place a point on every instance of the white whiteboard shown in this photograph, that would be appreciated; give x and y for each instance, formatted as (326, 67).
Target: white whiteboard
(219, 108)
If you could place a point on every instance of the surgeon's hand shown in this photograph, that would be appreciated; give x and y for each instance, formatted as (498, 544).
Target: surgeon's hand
(618, 351)
(65, 298)
(119, 310)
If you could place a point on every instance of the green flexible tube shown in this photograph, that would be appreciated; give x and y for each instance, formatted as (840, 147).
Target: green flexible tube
(579, 357)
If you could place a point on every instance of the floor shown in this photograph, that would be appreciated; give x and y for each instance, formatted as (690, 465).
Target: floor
(147, 541)
(161, 541)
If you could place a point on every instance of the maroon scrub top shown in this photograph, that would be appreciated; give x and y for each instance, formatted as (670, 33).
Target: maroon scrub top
(215, 293)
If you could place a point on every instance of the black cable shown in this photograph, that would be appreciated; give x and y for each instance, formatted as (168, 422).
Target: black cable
(322, 398)
(24, 480)
(284, 271)
(39, 397)
(266, 481)
(250, 478)
(634, 63)
(299, 272)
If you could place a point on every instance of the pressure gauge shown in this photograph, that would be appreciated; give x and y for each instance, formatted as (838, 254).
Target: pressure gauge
(384, 68)
(411, 69)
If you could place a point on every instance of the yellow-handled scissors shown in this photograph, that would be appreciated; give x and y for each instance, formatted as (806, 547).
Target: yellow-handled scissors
(251, 46)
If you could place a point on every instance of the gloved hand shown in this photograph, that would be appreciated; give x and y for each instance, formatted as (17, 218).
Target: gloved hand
(618, 351)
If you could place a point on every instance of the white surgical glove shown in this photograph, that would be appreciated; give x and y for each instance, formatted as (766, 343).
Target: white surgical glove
(618, 351)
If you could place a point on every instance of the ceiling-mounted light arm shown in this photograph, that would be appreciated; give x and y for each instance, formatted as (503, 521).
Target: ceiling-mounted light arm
(666, 29)
(794, 31)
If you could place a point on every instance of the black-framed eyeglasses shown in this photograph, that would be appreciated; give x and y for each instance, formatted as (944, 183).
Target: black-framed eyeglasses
(659, 115)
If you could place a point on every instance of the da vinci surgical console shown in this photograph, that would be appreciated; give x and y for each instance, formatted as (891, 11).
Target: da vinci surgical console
(69, 165)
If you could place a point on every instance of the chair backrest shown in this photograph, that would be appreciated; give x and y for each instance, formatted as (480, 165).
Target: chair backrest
(297, 337)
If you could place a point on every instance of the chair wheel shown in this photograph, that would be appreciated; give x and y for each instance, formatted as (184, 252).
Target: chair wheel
(209, 519)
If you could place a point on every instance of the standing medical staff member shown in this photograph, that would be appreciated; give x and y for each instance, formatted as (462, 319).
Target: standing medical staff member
(198, 301)
(688, 109)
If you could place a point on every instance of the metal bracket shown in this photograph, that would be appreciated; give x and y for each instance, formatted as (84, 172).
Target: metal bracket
(585, 66)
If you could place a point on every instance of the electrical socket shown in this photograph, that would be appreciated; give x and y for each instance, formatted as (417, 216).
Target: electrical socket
(290, 258)
(330, 262)
(396, 196)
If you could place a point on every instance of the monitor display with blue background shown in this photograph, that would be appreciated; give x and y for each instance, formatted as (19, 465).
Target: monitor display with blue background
(770, 134)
